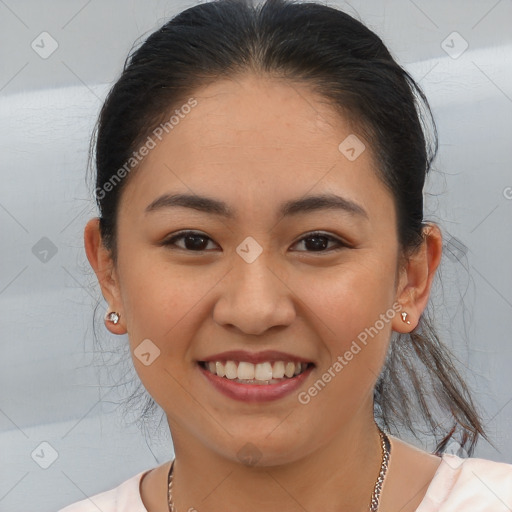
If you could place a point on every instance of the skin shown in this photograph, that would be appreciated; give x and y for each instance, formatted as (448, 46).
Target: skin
(254, 143)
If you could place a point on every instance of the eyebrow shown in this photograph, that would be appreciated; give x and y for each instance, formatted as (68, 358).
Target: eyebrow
(288, 208)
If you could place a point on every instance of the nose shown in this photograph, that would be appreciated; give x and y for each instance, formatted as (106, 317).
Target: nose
(254, 297)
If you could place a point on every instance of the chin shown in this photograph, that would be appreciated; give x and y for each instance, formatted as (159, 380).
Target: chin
(259, 449)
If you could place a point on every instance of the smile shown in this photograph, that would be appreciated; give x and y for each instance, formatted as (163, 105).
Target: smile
(258, 374)
(255, 382)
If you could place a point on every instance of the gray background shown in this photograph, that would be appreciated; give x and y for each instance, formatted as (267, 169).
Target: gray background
(50, 387)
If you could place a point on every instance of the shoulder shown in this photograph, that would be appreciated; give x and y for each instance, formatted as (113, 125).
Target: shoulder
(469, 484)
(422, 482)
(123, 498)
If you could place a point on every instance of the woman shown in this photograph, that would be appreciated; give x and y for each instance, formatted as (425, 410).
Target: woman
(260, 172)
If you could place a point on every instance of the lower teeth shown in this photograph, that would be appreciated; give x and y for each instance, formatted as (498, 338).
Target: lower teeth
(254, 381)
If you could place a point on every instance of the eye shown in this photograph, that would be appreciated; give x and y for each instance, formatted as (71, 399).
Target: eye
(193, 241)
(319, 241)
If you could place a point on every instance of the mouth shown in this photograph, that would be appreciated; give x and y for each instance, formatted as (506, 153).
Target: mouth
(255, 382)
(260, 374)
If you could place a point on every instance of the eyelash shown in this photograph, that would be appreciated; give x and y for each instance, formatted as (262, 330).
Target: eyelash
(171, 241)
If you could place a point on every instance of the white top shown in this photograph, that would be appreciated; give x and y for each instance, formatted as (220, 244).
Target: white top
(459, 485)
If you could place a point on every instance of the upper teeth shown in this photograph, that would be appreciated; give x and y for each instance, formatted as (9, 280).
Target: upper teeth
(261, 371)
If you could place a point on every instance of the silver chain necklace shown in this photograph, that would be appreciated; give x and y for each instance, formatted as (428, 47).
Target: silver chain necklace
(374, 503)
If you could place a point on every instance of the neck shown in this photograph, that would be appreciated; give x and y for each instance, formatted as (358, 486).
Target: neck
(339, 475)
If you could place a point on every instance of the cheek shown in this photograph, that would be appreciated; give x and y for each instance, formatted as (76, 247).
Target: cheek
(164, 305)
(350, 304)
(157, 293)
(347, 307)
(171, 305)
(349, 297)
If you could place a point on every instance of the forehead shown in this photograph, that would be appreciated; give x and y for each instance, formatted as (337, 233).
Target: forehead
(255, 140)
(278, 114)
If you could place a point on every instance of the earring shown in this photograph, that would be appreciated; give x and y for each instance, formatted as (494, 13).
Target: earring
(112, 317)
(404, 318)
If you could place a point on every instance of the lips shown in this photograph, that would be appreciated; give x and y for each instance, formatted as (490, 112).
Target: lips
(255, 377)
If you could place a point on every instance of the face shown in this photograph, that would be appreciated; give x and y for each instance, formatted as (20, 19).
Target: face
(258, 280)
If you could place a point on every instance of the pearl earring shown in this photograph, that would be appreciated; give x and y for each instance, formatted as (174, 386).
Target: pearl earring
(404, 318)
(112, 317)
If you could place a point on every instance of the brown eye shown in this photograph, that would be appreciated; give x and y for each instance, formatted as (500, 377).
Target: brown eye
(318, 242)
(192, 240)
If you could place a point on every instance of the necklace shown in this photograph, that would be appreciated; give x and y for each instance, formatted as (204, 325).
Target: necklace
(374, 503)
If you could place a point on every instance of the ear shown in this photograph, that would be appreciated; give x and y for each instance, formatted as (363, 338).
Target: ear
(101, 261)
(416, 279)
